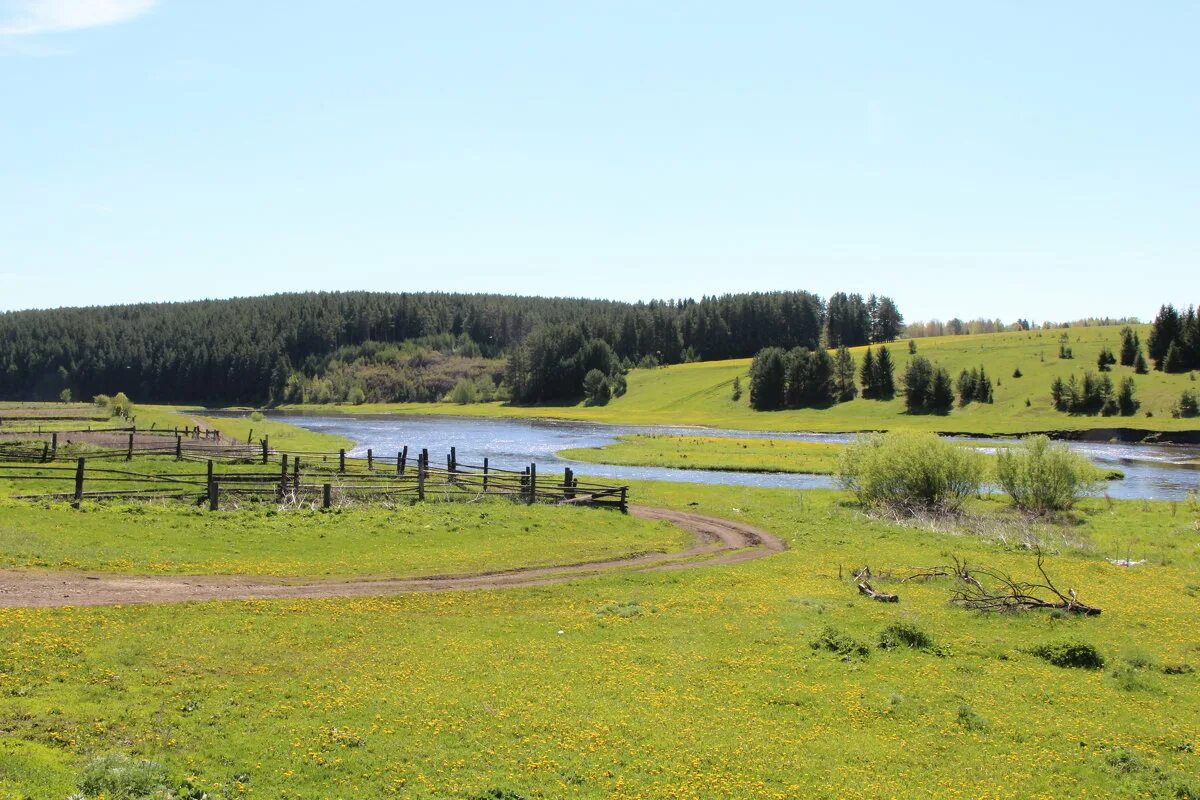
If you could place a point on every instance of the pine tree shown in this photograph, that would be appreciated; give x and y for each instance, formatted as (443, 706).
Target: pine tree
(1129, 346)
(918, 384)
(1173, 361)
(1058, 394)
(1139, 364)
(843, 372)
(767, 379)
(1126, 401)
(737, 388)
(983, 388)
(867, 376)
(968, 382)
(941, 398)
(884, 380)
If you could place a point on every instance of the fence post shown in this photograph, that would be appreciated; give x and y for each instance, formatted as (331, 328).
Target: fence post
(326, 495)
(296, 477)
(78, 483)
(45, 452)
(265, 447)
(624, 500)
(250, 437)
(370, 460)
(568, 485)
(178, 447)
(453, 459)
(283, 462)
(53, 446)
(532, 483)
(214, 496)
(209, 481)
(342, 460)
(129, 449)
(421, 477)
(485, 474)
(403, 457)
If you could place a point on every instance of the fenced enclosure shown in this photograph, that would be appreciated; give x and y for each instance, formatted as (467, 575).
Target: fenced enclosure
(234, 474)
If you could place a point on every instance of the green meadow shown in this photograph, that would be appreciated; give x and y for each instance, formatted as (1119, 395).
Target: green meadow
(701, 393)
(766, 679)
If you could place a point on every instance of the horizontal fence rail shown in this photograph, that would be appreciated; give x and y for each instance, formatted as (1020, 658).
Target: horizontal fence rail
(307, 478)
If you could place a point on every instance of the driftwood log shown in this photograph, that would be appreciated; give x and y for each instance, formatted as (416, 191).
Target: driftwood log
(865, 588)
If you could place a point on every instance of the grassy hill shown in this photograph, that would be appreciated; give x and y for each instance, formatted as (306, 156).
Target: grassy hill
(700, 393)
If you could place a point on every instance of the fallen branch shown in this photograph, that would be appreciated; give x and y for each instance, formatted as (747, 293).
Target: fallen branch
(866, 589)
(1014, 595)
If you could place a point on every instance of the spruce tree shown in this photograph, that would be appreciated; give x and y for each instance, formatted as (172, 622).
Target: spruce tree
(968, 382)
(884, 380)
(1139, 364)
(767, 379)
(843, 371)
(1126, 401)
(1173, 361)
(918, 384)
(1129, 346)
(983, 387)
(867, 375)
(941, 398)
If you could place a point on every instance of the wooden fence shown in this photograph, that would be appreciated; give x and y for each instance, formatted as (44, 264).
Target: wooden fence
(308, 479)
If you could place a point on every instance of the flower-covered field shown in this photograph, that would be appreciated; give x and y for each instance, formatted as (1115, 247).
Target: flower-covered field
(698, 683)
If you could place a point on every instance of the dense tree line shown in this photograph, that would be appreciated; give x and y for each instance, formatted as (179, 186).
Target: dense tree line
(1174, 340)
(246, 350)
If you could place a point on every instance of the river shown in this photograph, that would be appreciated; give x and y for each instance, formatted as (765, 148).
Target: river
(1151, 471)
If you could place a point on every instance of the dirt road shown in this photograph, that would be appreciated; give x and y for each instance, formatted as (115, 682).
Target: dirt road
(718, 542)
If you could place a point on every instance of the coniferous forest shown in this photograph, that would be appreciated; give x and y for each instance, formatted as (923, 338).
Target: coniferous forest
(275, 348)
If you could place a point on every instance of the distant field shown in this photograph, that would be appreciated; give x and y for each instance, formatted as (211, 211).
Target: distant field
(701, 393)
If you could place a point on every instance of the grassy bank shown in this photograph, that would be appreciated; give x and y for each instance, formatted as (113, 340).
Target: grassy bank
(701, 393)
(666, 685)
(713, 453)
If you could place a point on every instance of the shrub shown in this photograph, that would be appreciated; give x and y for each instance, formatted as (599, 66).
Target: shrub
(904, 634)
(843, 644)
(118, 777)
(64, 396)
(1188, 404)
(356, 396)
(909, 470)
(464, 392)
(1072, 653)
(596, 391)
(1042, 477)
(970, 719)
(256, 416)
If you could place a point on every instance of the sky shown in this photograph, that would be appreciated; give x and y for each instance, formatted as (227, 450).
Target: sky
(998, 159)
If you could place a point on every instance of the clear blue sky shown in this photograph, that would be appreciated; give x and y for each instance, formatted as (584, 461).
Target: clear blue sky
(1011, 159)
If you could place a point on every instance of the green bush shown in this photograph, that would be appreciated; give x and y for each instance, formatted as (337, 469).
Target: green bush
(1042, 477)
(596, 391)
(910, 470)
(904, 634)
(118, 777)
(464, 392)
(843, 644)
(1072, 653)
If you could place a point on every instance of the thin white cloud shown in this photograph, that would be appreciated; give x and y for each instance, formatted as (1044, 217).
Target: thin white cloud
(28, 17)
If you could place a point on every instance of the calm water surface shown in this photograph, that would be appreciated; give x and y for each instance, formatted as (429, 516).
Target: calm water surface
(1151, 471)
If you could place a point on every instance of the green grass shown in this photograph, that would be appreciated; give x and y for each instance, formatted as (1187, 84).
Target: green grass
(713, 453)
(422, 539)
(701, 393)
(666, 685)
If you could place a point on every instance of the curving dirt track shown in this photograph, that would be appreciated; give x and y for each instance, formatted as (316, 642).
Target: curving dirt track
(718, 542)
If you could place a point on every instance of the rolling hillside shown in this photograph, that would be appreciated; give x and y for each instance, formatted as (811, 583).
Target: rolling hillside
(701, 393)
